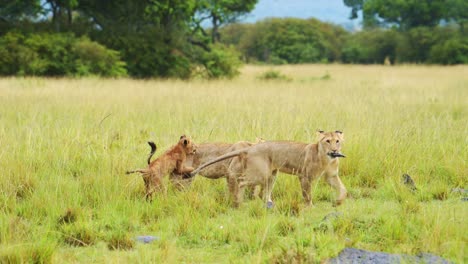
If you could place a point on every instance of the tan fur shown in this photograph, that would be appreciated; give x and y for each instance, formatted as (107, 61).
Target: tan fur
(259, 164)
(170, 161)
(209, 151)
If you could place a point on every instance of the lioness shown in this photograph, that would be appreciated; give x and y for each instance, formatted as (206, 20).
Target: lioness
(171, 160)
(259, 164)
(207, 152)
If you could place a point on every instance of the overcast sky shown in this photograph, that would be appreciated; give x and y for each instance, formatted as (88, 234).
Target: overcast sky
(325, 10)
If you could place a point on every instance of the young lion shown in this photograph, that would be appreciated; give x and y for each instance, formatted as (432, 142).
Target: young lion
(259, 164)
(171, 160)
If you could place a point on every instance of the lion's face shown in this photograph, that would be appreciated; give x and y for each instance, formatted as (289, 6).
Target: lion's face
(330, 143)
(187, 144)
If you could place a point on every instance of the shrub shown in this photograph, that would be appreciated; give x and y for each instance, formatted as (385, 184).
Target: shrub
(151, 53)
(273, 75)
(372, 46)
(450, 51)
(221, 61)
(287, 40)
(57, 55)
(15, 58)
(93, 58)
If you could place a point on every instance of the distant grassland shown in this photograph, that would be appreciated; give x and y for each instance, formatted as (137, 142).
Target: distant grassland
(65, 144)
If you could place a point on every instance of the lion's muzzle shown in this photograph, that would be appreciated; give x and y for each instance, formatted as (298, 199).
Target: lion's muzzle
(336, 155)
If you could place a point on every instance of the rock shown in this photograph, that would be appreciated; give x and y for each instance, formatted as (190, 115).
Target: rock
(359, 256)
(146, 239)
(270, 205)
(459, 190)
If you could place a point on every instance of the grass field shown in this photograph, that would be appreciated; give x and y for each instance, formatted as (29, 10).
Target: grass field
(65, 145)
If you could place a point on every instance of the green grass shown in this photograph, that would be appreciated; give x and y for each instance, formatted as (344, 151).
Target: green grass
(66, 143)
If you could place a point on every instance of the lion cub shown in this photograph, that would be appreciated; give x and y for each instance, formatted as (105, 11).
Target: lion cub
(170, 161)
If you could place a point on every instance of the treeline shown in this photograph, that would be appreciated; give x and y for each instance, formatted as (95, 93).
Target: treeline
(292, 40)
(138, 38)
(191, 38)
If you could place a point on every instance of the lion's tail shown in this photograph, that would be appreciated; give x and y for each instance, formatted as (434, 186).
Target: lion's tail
(153, 150)
(218, 159)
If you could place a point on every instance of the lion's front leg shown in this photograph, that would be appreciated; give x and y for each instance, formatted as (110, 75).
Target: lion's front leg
(181, 169)
(306, 187)
(334, 180)
(184, 170)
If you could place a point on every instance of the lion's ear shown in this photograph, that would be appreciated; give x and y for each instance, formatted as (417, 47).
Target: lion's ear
(320, 134)
(181, 137)
(340, 134)
(259, 140)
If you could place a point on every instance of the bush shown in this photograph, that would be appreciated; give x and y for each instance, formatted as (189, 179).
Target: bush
(15, 58)
(286, 40)
(273, 75)
(450, 51)
(221, 61)
(416, 45)
(57, 55)
(92, 58)
(372, 46)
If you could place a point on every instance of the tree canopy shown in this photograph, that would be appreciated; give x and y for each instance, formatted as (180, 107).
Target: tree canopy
(192, 38)
(155, 37)
(407, 14)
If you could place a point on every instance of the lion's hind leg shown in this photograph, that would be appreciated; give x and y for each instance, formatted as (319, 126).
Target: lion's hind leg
(257, 172)
(269, 184)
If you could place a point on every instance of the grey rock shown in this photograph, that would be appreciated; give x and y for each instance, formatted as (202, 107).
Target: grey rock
(459, 190)
(359, 256)
(146, 239)
(270, 205)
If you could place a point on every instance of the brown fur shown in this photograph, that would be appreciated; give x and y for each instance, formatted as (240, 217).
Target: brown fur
(259, 164)
(209, 151)
(170, 161)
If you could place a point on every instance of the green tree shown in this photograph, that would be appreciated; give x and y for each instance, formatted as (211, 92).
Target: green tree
(287, 40)
(14, 10)
(156, 38)
(221, 12)
(62, 12)
(404, 14)
(457, 10)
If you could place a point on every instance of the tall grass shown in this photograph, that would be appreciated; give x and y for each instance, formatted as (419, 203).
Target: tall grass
(66, 143)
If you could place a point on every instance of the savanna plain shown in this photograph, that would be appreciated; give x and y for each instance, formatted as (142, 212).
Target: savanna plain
(66, 144)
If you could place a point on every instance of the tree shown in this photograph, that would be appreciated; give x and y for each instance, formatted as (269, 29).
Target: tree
(14, 10)
(457, 10)
(155, 38)
(221, 12)
(356, 6)
(286, 40)
(404, 14)
(58, 8)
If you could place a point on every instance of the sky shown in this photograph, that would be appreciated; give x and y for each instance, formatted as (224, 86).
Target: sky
(333, 11)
